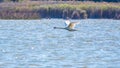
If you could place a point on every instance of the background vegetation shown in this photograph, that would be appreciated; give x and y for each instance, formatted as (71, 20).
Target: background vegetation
(61, 0)
(59, 9)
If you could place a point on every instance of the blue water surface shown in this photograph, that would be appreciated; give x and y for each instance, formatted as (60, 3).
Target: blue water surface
(35, 44)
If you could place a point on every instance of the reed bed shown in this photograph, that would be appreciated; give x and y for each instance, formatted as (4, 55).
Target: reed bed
(61, 9)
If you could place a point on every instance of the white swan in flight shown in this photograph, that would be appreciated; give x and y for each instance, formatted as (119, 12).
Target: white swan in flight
(69, 26)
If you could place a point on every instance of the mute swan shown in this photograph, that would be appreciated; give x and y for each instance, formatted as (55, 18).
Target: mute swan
(69, 26)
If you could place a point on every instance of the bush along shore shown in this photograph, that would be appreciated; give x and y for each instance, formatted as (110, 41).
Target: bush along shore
(81, 10)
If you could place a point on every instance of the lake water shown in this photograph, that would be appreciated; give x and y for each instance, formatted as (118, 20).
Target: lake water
(35, 44)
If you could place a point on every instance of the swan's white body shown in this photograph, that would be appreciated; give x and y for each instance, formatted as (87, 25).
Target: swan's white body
(69, 26)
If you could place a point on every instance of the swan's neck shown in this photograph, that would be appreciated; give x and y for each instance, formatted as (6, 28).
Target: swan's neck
(59, 28)
(67, 28)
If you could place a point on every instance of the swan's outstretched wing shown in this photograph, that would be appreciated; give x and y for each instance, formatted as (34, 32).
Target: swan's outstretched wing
(67, 22)
(72, 25)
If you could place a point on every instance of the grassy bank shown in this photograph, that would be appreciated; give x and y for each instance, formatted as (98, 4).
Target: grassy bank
(53, 9)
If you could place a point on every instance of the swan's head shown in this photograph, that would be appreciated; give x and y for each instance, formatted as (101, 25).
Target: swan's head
(54, 27)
